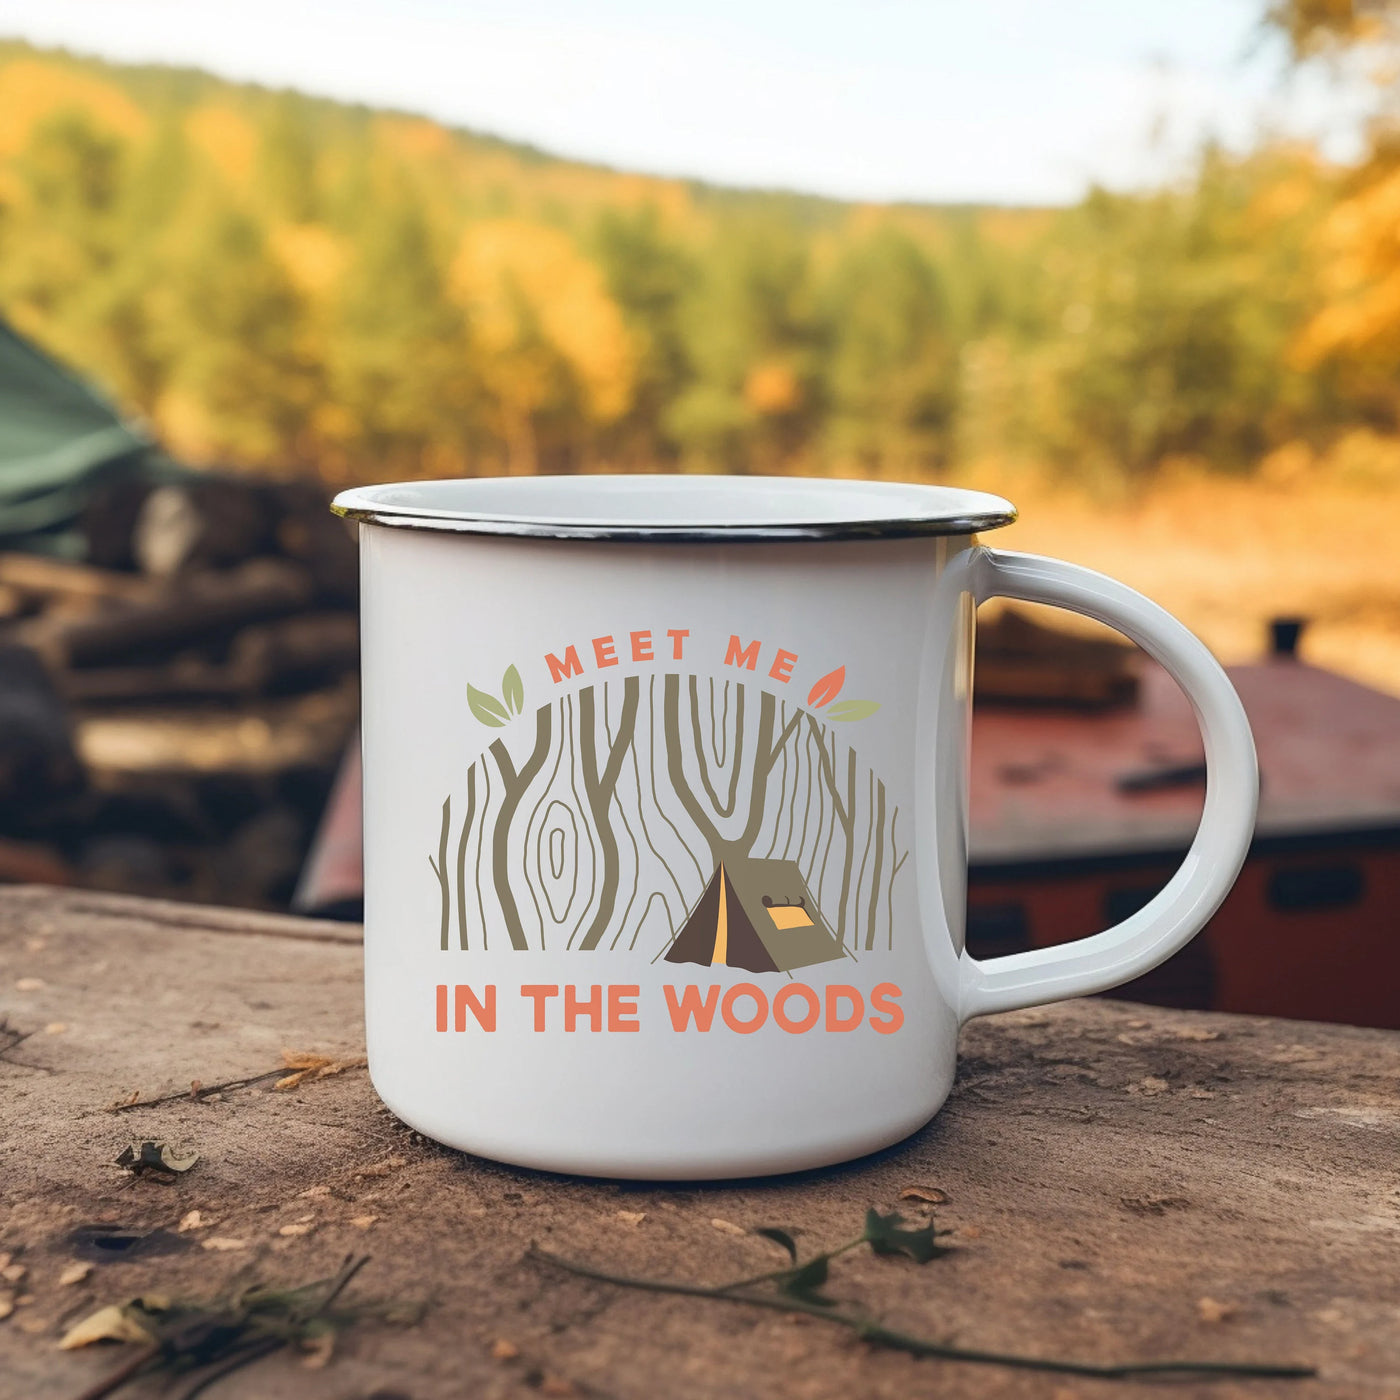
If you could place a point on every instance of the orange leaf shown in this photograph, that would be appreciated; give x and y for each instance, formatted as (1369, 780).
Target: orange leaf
(828, 688)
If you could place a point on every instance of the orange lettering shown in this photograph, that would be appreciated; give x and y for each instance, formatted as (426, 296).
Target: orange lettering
(485, 1015)
(603, 651)
(835, 995)
(569, 666)
(641, 646)
(742, 656)
(726, 1007)
(814, 1008)
(690, 1006)
(622, 1002)
(677, 637)
(781, 669)
(883, 999)
(592, 1008)
(540, 992)
(442, 1006)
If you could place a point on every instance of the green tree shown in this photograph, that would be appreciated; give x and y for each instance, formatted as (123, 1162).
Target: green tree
(891, 371)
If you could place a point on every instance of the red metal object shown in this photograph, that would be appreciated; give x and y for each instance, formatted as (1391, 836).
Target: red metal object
(332, 880)
(1062, 845)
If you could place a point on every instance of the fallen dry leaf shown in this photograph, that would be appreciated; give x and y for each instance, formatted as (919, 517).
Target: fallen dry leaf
(222, 1243)
(502, 1350)
(306, 1065)
(1152, 1205)
(363, 1222)
(74, 1273)
(728, 1227)
(109, 1324)
(316, 1351)
(12, 1273)
(390, 1164)
(931, 1194)
(632, 1217)
(1195, 1033)
(1150, 1084)
(1210, 1310)
(160, 1159)
(30, 984)
(55, 1028)
(192, 1220)
(300, 1227)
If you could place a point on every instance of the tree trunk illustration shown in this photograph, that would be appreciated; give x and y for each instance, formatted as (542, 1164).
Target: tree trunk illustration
(514, 785)
(613, 826)
(765, 755)
(845, 815)
(462, 859)
(600, 787)
(440, 868)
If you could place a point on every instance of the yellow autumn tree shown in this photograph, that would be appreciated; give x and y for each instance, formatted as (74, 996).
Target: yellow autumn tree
(549, 339)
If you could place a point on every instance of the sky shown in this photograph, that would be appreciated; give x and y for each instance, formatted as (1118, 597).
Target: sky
(1008, 101)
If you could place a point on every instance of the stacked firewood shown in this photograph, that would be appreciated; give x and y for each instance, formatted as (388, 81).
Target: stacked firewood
(172, 709)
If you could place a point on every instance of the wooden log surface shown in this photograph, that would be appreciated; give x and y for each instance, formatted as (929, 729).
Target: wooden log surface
(1123, 1183)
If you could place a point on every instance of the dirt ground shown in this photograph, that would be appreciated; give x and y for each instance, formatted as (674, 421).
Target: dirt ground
(1121, 1183)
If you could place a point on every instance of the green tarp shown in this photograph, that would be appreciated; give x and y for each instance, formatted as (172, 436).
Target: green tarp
(59, 440)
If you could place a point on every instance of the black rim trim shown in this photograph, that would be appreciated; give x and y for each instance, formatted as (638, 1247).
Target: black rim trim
(682, 534)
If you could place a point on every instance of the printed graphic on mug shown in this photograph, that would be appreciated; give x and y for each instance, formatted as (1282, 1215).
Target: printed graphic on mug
(692, 815)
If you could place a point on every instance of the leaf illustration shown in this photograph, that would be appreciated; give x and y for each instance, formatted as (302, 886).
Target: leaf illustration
(853, 709)
(828, 688)
(885, 1235)
(782, 1238)
(513, 691)
(486, 708)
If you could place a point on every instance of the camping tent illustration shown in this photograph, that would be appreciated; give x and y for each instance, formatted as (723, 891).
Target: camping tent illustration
(755, 914)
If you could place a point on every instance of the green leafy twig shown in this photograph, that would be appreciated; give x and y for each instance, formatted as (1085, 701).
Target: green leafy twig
(212, 1340)
(795, 1290)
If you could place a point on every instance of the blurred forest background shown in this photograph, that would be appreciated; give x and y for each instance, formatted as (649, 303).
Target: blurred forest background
(1196, 388)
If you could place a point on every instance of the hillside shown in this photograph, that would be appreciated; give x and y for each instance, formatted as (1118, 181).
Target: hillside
(252, 271)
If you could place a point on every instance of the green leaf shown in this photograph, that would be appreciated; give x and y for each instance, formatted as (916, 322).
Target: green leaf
(853, 709)
(486, 708)
(780, 1237)
(803, 1283)
(513, 691)
(885, 1235)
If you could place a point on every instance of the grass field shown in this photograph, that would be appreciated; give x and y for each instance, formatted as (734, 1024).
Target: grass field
(1226, 555)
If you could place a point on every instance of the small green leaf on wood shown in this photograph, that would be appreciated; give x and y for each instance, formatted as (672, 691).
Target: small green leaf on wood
(804, 1283)
(780, 1237)
(886, 1234)
(513, 691)
(853, 709)
(157, 1159)
(486, 708)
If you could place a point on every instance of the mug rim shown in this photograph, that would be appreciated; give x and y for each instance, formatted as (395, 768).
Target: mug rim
(680, 508)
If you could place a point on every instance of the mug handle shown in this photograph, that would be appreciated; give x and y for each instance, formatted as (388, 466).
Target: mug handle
(1178, 912)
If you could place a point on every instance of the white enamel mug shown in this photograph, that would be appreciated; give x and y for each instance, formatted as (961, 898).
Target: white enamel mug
(665, 786)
